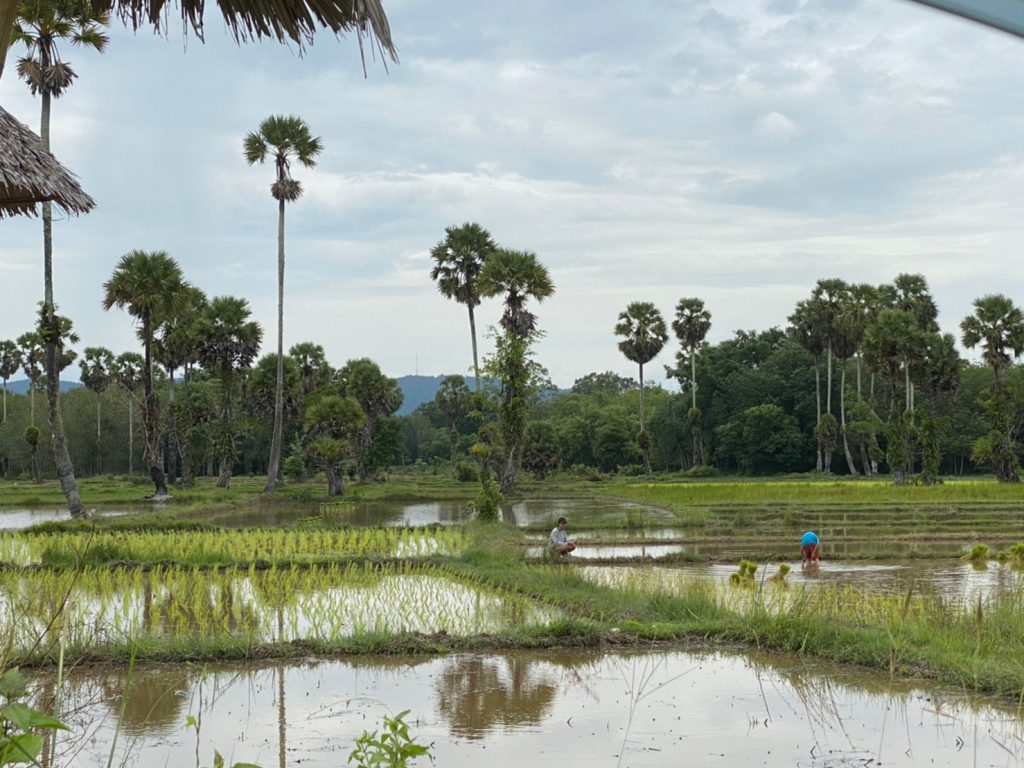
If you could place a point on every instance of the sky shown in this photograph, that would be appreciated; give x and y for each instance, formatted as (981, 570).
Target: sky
(732, 150)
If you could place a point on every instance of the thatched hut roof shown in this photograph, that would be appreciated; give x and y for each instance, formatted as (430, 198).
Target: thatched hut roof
(30, 175)
(294, 20)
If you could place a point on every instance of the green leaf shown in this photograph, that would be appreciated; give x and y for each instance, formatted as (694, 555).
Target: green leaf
(12, 684)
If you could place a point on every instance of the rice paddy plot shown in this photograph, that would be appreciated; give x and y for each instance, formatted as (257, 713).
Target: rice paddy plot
(112, 608)
(648, 709)
(17, 518)
(225, 547)
(955, 583)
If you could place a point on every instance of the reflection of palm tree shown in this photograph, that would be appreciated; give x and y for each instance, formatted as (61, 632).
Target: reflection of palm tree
(476, 693)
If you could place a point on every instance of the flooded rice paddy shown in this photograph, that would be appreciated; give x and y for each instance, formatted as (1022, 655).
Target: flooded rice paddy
(651, 709)
(104, 608)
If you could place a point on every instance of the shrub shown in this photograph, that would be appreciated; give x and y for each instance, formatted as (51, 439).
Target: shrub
(466, 472)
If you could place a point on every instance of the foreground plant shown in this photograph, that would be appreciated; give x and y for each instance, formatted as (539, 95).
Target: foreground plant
(393, 747)
(18, 742)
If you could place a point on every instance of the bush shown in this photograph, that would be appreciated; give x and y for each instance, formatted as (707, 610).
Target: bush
(704, 470)
(631, 470)
(295, 468)
(466, 472)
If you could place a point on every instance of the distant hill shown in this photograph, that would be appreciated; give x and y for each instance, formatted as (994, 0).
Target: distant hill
(417, 390)
(20, 387)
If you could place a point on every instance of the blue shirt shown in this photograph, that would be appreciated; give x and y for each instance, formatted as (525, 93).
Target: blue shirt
(809, 538)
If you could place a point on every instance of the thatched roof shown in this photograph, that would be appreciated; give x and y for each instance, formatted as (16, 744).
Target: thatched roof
(29, 174)
(281, 20)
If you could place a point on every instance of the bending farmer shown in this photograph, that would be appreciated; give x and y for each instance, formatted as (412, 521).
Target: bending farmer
(559, 542)
(809, 548)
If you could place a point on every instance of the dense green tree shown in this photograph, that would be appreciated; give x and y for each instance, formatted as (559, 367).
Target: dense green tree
(97, 374)
(541, 453)
(379, 396)
(458, 262)
(334, 427)
(150, 286)
(939, 379)
(644, 335)
(284, 139)
(313, 369)
(453, 400)
(607, 383)
(761, 439)
(43, 26)
(227, 342)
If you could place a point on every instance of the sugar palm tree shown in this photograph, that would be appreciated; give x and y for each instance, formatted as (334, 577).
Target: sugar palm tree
(97, 366)
(311, 360)
(518, 276)
(691, 327)
(150, 286)
(284, 139)
(42, 26)
(644, 335)
(458, 260)
(227, 342)
(10, 362)
(998, 326)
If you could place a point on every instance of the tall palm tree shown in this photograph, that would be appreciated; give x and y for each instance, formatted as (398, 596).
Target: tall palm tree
(519, 276)
(998, 326)
(150, 286)
(97, 366)
(806, 330)
(458, 260)
(227, 342)
(42, 26)
(644, 335)
(691, 327)
(284, 139)
(10, 362)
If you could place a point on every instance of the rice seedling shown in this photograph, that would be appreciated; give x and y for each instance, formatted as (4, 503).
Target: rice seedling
(109, 611)
(223, 547)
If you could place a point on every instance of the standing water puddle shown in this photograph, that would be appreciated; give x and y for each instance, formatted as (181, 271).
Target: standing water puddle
(647, 709)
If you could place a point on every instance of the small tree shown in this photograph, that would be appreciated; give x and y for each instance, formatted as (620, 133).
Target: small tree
(541, 452)
(333, 426)
(644, 335)
(97, 366)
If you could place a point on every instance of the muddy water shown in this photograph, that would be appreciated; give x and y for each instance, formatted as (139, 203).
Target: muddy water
(16, 519)
(526, 709)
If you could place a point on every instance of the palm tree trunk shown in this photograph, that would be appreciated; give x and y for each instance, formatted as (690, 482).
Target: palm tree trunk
(8, 13)
(61, 457)
(842, 419)
(99, 438)
(5, 401)
(131, 435)
(150, 417)
(858, 376)
(817, 423)
(693, 377)
(274, 465)
(32, 402)
(644, 449)
(472, 333)
(828, 393)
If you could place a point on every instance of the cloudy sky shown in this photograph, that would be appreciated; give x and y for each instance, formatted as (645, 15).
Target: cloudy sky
(733, 150)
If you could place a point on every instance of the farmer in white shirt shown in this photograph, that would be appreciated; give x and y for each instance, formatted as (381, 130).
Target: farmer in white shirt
(559, 543)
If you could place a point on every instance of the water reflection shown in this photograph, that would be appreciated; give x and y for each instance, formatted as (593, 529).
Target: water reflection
(17, 519)
(955, 582)
(519, 709)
